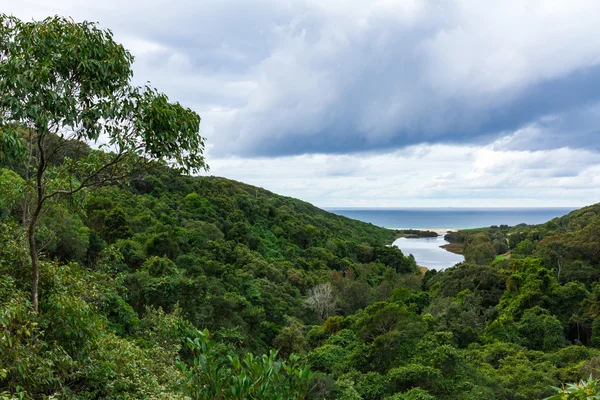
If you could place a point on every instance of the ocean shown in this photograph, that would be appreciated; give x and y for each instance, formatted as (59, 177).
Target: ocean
(450, 218)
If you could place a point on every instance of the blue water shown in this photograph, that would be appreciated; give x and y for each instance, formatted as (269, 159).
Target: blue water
(450, 218)
(428, 253)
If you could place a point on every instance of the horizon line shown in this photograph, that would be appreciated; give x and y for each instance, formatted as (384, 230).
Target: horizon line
(450, 208)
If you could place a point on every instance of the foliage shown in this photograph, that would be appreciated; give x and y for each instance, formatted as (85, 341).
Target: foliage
(212, 376)
(133, 275)
(584, 390)
(64, 85)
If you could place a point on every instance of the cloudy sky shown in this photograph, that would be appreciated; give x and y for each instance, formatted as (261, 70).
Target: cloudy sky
(382, 103)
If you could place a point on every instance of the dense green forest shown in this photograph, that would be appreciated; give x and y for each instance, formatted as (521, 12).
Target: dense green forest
(560, 242)
(129, 277)
(124, 275)
(141, 266)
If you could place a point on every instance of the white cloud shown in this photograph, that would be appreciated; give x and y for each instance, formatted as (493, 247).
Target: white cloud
(428, 175)
(462, 103)
(339, 76)
(503, 45)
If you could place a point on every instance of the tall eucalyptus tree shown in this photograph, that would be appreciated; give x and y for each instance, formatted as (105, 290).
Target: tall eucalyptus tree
(62, 83)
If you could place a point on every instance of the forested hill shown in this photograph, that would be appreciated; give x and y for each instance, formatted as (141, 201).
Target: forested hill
(130, 271)
(210, 226)
(573, 221)
(251, 214)
(132, 274)
(560, 241)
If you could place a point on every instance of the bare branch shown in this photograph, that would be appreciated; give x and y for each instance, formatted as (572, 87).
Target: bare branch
(87, 181)
(322, 300)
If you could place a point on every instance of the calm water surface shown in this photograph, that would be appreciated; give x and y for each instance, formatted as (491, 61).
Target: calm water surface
(428, 253)
(450, 218)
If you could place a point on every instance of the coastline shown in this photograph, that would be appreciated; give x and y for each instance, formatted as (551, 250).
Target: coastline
(454, 248)
(440, 231)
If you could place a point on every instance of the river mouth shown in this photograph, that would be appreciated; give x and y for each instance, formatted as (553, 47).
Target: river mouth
(428, 253)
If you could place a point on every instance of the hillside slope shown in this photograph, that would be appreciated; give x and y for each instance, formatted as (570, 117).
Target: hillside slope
(571, 237)
(131, 272)
(140, 266)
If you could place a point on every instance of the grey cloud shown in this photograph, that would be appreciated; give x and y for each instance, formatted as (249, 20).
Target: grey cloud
(576, 127)
(274, 78)
(378, 88)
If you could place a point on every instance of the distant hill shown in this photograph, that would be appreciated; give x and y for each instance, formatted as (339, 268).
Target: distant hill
(577, 232)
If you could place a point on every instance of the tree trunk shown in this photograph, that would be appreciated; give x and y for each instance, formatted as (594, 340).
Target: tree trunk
(27, 164)
(33, 251)
(35, 267)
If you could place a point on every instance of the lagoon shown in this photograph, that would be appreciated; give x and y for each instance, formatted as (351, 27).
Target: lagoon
(428, 253)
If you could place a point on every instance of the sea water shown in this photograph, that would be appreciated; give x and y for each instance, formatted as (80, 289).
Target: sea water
(450, 218)
(427, 251)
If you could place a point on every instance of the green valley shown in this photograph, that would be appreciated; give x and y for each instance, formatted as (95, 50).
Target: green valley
(127, 274)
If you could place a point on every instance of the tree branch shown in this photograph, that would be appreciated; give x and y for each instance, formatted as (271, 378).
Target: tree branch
(53, 234)
(86, 182)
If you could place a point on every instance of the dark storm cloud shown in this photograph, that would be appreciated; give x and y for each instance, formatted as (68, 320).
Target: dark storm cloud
(275, 78)
(566, 110)
(504, 93)
(333, 86)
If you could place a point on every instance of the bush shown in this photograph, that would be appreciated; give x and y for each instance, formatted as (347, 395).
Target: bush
(584, 390)
(210, 376)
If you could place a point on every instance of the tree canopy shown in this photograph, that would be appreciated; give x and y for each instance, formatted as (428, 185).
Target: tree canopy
(64, 84)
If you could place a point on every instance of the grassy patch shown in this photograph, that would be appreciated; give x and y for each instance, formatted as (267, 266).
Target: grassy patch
(456, 248)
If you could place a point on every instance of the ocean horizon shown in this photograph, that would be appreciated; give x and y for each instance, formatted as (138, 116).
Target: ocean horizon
(450, 217)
